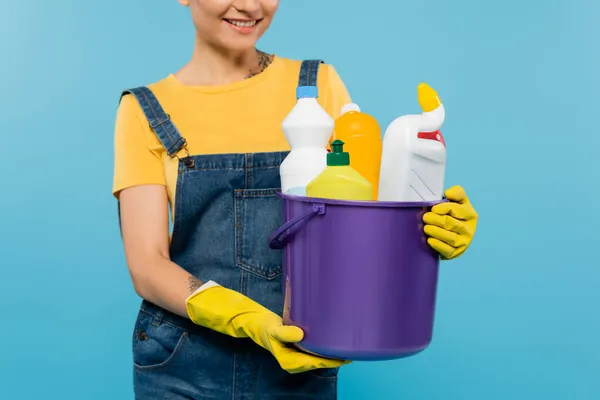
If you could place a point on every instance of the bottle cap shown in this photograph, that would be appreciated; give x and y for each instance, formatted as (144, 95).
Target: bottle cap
(304, 92)
(338, 157)
(428, 98)
(350, 107)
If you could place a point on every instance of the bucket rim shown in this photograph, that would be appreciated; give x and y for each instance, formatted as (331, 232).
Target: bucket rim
(355, 203)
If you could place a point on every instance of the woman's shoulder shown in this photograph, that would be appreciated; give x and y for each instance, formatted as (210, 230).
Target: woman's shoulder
(130, 93)
(327, 72)
(158, 93)
(332, 89)
(296, 63)
(153, 86)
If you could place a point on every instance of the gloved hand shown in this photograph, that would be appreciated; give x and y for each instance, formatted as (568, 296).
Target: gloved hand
(236, 315)
(451, 225)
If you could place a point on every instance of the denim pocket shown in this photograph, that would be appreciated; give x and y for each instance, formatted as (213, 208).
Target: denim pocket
(156, 345)
(329, 373)
(257, 215)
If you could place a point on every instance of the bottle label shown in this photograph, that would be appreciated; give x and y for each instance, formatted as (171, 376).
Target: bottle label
(435, 135)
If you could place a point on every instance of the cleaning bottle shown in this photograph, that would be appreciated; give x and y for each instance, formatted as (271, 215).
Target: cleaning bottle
(413, 160)
(362, 137)
(307, 129)
(339, 180)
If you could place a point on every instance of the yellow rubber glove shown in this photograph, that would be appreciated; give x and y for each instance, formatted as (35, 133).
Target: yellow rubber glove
(451, 225)
(234, 314)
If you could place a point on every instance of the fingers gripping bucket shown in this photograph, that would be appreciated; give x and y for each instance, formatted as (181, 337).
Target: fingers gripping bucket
(359, 277)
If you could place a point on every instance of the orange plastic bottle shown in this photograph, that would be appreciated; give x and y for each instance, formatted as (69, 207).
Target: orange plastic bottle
(361, 134)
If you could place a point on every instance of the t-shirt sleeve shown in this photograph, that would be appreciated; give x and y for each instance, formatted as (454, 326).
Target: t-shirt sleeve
(134, 162)
(336, 94)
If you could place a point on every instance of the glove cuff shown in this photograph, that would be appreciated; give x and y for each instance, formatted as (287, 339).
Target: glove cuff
(207, 285)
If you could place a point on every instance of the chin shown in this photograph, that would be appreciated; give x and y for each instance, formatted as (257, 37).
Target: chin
(238, 45)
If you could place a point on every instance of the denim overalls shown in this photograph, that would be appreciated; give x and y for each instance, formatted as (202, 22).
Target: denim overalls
(225, 210)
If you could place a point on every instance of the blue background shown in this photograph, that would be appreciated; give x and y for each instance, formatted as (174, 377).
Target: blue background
(517, 316)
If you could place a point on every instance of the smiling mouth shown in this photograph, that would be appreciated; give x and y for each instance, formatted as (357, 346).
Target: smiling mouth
(242, 23)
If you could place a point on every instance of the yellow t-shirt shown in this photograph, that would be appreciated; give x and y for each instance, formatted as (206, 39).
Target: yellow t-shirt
(241, 117)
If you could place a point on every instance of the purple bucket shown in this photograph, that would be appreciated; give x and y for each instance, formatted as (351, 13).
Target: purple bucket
(359, 277)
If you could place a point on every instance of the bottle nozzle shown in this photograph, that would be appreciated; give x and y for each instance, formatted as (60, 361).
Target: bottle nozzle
(307, 92)
(338, 157)
(350, 107)
(428, 98)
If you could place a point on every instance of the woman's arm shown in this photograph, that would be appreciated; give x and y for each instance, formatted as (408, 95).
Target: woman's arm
(141, 188)
(145, 228)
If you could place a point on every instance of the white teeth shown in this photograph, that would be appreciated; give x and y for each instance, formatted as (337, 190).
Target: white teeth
(242, 24)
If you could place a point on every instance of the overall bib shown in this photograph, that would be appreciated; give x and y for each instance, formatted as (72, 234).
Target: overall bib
(225, 209)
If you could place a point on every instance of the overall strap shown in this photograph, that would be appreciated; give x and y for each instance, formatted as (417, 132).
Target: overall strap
(307, 83)
(159, 121)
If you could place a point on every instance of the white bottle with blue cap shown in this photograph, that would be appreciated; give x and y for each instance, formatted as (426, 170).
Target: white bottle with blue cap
(307, 129)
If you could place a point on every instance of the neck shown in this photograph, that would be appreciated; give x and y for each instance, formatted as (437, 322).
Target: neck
(211, 65)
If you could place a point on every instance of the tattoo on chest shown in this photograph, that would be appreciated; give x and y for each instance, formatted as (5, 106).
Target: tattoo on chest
(264, 60)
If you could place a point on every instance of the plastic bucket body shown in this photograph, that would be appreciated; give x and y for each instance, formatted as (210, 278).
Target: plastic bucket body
(359, 277)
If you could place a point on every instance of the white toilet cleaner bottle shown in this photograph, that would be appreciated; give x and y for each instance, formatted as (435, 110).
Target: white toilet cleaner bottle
(307, 129)
(413, 161)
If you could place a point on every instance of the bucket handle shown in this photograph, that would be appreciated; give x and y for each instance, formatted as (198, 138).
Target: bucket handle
(277, 240)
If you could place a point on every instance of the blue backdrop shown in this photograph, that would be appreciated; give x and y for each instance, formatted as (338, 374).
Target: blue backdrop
(517, 316)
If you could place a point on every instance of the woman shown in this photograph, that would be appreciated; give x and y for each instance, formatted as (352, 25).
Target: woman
(207, 142)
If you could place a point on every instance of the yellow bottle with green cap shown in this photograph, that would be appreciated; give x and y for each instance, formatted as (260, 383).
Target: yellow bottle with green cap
(339, 180)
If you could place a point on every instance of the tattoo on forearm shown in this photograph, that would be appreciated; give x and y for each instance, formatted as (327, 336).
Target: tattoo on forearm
(193, 284)
(264, 60)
